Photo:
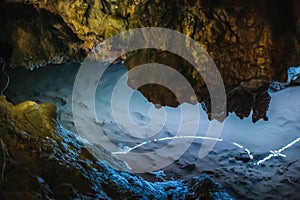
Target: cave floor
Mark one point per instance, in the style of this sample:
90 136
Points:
228 162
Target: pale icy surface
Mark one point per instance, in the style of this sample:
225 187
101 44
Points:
229 162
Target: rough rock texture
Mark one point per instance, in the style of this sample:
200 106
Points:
248 40
41 160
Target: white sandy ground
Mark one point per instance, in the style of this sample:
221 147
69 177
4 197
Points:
277 178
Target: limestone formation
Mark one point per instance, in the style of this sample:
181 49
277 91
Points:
40 159
252 43
248 40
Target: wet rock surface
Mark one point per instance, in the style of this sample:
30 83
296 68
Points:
40 159
252 44
254 40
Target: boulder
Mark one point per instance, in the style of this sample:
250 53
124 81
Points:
40 159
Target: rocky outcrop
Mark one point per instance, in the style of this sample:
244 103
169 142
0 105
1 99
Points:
40 159
253 40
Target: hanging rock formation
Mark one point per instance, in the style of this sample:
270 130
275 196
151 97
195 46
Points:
252 41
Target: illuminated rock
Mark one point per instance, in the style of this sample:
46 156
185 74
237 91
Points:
247 40
41 159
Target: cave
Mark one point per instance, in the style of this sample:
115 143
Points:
190 99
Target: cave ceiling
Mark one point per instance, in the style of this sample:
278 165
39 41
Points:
252 42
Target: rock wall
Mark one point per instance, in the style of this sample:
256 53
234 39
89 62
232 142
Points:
40 159
253 40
